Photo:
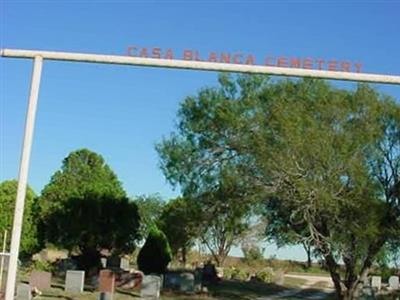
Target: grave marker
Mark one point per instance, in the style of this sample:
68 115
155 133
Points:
187 283
40 280
107 281
74 281
24 292
376 282
150 288
394 282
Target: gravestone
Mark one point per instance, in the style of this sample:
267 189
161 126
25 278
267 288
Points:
150 288
40 280
172 280
107 281
394 282
376 282
74 281
124 264
197 280
24 292
103 261
187 283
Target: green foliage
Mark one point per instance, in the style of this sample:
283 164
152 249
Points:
82 172
29 239
239 274
179 222
84 207
329 158
150 210
155 254
39 265
266 275
253 254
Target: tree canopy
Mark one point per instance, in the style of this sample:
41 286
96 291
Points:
84 207
329 156
8 193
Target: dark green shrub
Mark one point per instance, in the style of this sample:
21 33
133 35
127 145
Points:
155 254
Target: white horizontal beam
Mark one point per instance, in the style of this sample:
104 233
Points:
200 65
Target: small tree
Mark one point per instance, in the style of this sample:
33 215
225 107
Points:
179 222
8 193
155 254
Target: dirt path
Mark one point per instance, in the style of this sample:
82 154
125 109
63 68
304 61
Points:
323 287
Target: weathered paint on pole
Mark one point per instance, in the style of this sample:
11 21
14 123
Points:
23 177
201 65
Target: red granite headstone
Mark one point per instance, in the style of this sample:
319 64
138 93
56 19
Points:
40 280
107 281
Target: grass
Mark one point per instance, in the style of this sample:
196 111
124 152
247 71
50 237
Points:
226 290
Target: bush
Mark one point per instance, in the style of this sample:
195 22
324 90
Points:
155 254
239 274
252 254
267 275
41 265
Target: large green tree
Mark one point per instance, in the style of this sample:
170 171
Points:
84 208
8 193
199 160
330 156
82 172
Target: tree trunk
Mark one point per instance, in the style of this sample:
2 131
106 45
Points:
184 256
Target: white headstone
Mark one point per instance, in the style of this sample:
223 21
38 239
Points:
150 288
103 262
74 281
376 282
394 282
24 292
124 264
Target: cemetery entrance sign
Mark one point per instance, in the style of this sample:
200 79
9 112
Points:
278 67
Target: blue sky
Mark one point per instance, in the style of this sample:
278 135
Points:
121 112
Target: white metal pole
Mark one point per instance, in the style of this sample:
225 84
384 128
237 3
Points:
2 258
23 177
200 65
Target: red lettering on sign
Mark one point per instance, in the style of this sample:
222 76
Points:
307 63
225 58
345 66
320 62
295 63
156 53
143 52
332 65
169 54
358 67
250 60
187 55
131 50
237 58
213 57
247 59
282 62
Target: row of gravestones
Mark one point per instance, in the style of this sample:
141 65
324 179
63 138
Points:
74 283
393 282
